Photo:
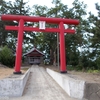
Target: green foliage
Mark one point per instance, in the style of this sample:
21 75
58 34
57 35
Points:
6 57
9 38
98 63
93 71
72 41
76 41
3 32
70 67
79 68
87 36
94 37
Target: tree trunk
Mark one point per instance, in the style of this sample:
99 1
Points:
51 57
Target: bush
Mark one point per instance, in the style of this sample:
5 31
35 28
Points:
6 57
70 67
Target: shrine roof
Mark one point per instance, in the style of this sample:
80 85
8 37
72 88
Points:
33 50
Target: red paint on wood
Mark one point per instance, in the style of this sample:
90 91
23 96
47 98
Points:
39 30
19 46
37 19
62 48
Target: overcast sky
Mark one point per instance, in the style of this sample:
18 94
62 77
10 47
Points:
90 3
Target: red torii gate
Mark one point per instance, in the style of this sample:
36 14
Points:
21 28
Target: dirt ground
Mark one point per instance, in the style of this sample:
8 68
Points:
6 72
89 77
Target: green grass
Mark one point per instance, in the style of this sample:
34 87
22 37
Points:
93 71
77 68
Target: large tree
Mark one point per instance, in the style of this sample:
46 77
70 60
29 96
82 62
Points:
94 37
76 41
72 41
3 32
18 7
49 40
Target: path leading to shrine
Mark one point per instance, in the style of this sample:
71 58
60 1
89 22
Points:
40 86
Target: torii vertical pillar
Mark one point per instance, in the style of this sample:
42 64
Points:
19 47
62 49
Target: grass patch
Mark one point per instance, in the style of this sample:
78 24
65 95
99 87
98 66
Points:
93 71
79 69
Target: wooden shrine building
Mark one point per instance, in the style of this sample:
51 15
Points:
34 56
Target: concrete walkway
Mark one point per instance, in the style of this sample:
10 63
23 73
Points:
40 86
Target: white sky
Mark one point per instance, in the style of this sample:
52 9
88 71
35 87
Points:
90 3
